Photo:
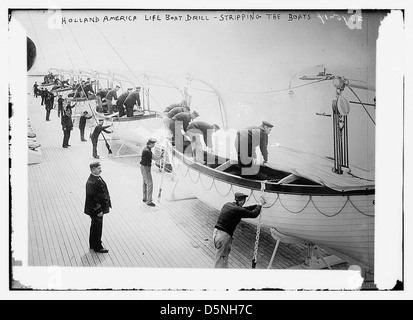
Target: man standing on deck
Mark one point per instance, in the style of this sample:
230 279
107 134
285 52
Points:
35 89
42 95
230 216
48 100
146 164
247 140
112 94
97 204
95 136
82 125
132 100
120 102
60 101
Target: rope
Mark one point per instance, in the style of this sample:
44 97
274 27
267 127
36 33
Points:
178 166
306 205
187 171
231 186
249 197
268 207
80 48
190 177
361 103
208 189
203 90
80 83
275 91
127 66
220 100
364 214
64 45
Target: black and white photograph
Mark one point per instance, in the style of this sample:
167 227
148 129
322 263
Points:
210 149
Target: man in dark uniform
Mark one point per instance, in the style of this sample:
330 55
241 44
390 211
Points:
88 89
230 216
82 124
52 96
48 101
79 89
132 100
112 94
43 94
101 101
182 104
146 164
247 140
95 136
177 110
69 105
67 126
49 78
200 130
120 102
97 204
60 101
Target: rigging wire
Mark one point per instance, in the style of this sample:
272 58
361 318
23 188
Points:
67 52
80 48
275 91
361 103
35 34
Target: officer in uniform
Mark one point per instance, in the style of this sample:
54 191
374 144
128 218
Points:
97 204
146 164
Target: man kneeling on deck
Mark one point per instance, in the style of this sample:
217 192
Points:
231 214
97 204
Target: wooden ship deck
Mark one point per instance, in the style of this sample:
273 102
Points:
175 234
